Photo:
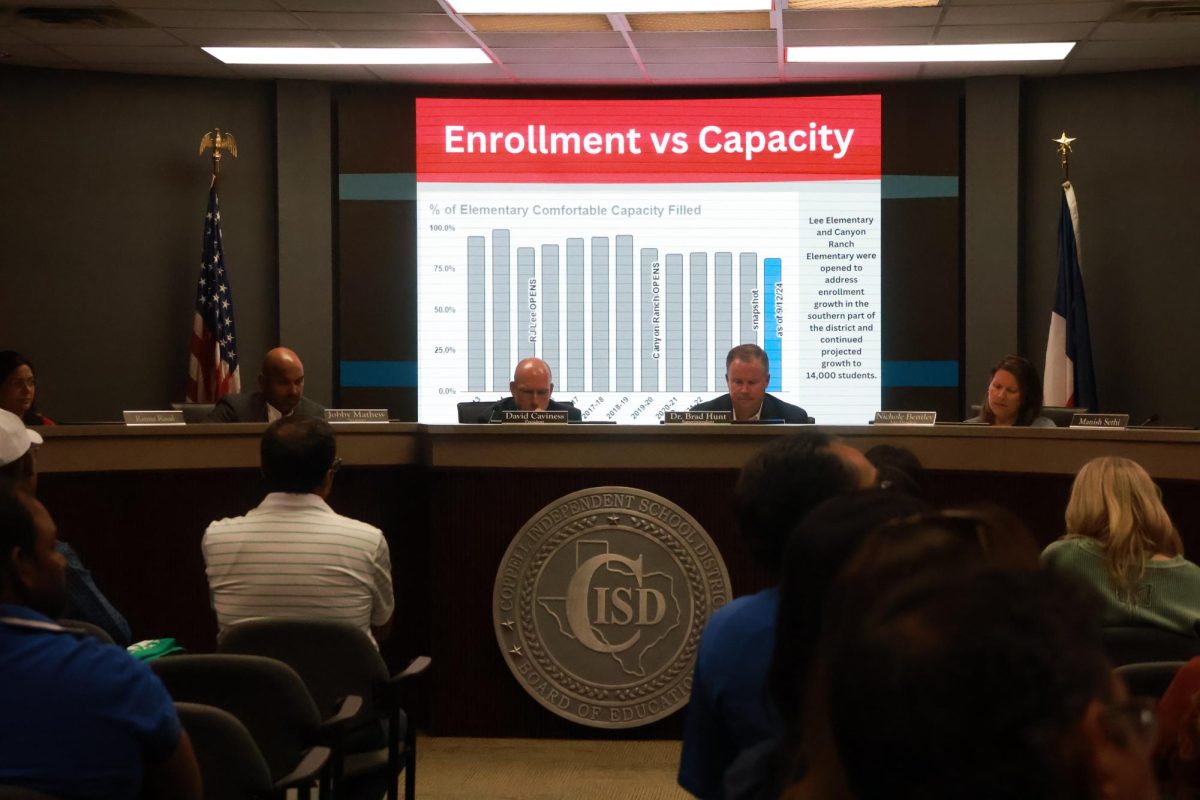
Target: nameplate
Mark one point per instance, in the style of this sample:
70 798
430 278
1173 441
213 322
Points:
1099 420
697 417
905 417
153 417
356 415
526 417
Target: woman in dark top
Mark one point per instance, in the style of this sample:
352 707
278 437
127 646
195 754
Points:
1014 396
18 388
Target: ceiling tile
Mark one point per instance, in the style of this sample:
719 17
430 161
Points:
387 6
1089 65
539 23
400 39
92 54
585 73
1173 29
709 71
211 5
964 70
1028 13
859 36
459 74
568 41
587 55
213 70
861 18
340 73
989 34
705 39
377 22
210 37
717 56
25 53
844 72
1166 48
173 18
116 37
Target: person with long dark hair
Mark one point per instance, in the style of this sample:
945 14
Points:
18 388
1014 396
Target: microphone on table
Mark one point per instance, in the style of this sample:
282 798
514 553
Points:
1150 420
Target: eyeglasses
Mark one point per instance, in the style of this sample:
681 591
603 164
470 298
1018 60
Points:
1134 721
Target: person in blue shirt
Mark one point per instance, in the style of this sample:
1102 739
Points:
729 710
81 719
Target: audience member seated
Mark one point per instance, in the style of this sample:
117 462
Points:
530 390
899 470
85 601
81 719
280 393
747 373
729 710
1013 396
1121 543
18 388
816 550
1177 754
293 556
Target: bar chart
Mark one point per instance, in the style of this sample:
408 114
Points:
635 294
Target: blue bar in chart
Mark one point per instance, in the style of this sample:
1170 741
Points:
773 319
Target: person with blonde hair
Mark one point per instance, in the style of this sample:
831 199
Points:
1121 541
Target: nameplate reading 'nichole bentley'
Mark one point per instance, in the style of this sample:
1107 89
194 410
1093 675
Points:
599 604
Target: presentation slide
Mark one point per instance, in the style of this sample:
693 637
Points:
632 243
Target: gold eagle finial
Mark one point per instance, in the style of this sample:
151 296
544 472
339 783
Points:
218 141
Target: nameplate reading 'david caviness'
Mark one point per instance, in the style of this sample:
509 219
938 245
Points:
599 603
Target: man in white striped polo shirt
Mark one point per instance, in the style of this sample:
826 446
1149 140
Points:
293 556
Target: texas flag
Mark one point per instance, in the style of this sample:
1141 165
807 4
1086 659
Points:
1070 375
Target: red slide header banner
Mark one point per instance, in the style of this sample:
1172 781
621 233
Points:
648 141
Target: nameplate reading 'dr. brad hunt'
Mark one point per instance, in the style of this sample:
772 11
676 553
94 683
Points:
167 417
696 417
356 415
533 416
1099 420
905 417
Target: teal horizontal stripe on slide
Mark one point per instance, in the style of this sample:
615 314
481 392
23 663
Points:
395 186
403 374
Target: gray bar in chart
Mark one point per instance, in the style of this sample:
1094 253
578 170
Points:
651 275
599 314
501 318
698 321
526 303
573 378
550 307
722 311
674 322
476 314
747 285
624 308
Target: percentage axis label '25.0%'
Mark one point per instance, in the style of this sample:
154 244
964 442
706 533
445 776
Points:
443 349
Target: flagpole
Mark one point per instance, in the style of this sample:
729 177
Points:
1064 155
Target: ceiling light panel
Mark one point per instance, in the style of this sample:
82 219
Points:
348 55
605 6
895 54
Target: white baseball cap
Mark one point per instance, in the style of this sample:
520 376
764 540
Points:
15 438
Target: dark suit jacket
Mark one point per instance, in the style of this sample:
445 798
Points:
772 408
253 408
508 404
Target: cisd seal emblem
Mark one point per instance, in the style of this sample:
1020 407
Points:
599 603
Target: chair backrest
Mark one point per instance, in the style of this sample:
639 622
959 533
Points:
193 412
93 630
1139 645
267 696
1061 415
230 763
333 658
472 410
1149 679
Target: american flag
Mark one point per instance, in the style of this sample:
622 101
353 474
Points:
213 366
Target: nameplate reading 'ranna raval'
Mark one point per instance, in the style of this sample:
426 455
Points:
696 417
356 415
599 604
165 417
533 416
905 417
1099 420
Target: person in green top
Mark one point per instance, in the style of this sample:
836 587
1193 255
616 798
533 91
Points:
1121 541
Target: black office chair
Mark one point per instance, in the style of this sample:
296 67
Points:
335 660
1149 679
194 412
470 411
1061 415
1141 644
266 696
231 765
87 628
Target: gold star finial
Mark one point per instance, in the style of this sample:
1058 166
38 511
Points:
1064 153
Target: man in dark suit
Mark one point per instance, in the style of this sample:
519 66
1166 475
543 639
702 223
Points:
280 393
531 387
747 373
